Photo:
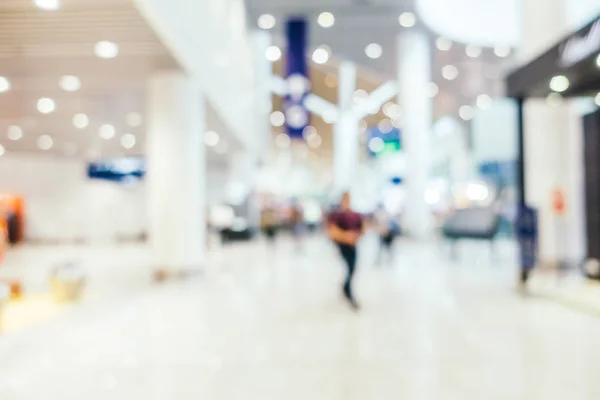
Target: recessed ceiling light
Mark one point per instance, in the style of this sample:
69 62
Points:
443 44
134 119
128 141
283 141
326 19
46 105
466 112
484 101
473 51
407 19
273 53
450 72
308 131
331 81
211 138
49 5
314 141
502 51
277 118
81 121
359 95
559 83
107 131
266 21
392 110
385 126
45 142
432 89
106 49
321 55
4 85
373 50
15 132
70 83
376 144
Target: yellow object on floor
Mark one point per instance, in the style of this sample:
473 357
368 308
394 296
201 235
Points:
29 311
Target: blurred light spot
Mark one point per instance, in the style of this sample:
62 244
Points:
15 132
598 61
392 110
321 55
277 118
45 142
106 49
385 126
81 121
450 72
407 19
70 83
484 101
432 89
397 123
49 5
4 85
308 131
432 197
211 138
107 131
282 140
597 99
266 21
473 51
314 141
331 81
134 119
376 145
326 19
359 95
559 83
273 53
502 51
2 150
128 141
443 44
477 191
466 112
46 105
373 50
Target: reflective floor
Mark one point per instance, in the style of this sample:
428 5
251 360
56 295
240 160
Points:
265 324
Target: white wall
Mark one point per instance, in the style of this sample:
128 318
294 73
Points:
494 132
63 204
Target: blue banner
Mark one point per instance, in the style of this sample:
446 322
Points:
122 170
297 117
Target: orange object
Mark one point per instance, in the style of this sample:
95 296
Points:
15 205
558 202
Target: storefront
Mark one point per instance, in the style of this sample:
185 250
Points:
569 69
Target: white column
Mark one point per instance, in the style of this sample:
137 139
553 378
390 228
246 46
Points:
414 73
553 144
176 171
346 140
263 71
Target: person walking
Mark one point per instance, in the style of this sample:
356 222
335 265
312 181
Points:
345 227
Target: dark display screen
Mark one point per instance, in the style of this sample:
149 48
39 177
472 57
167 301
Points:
118 169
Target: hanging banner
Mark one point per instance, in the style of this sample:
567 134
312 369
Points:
297 116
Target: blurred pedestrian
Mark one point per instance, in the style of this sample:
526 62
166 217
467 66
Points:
345 227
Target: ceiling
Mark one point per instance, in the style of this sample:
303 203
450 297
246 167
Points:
37 47
361 22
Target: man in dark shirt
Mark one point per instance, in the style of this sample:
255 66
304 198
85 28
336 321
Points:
345 227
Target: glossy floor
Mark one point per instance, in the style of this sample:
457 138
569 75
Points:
266 324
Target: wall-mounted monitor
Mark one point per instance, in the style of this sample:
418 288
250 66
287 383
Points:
122 170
